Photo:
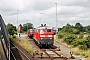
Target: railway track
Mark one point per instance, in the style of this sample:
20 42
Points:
17 54
49 53
56 56
44 55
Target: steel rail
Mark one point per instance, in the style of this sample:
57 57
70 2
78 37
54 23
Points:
65 58
13 55
55 52
47 54
22 52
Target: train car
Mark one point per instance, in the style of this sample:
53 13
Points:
44 36
54 32
30 33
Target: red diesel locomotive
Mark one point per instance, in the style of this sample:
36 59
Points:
30 33
44 35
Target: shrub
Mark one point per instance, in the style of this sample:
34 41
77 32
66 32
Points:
77 53
88 41
83 47
13 36
86 56
81 36
83 54
60 36
69 39
74 43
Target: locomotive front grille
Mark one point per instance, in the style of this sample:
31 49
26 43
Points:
46 41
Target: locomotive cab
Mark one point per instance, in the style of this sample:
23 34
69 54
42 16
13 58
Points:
44 36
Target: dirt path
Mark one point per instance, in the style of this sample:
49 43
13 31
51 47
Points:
63 48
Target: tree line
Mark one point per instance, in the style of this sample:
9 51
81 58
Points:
76 36
75 29
13 30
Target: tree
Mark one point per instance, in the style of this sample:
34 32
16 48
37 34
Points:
88 41
87 29
69 29
11 29
27 26
79 27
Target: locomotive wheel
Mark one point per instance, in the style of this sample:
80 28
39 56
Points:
51 45
36 42
40 45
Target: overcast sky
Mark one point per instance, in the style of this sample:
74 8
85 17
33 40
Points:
68 11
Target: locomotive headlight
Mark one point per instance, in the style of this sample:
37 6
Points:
41 38
50 38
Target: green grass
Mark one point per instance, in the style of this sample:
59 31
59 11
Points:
25 44
75 50
84 53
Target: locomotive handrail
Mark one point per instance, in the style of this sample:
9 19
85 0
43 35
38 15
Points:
3 32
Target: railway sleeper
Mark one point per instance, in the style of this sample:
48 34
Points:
47 54
60 56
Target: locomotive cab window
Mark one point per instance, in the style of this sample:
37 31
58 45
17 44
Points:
48 30
42 31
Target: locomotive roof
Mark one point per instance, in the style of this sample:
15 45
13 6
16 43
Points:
44 27
30 29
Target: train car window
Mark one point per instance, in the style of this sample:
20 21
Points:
42 31
48 30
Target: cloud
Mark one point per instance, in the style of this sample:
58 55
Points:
68 11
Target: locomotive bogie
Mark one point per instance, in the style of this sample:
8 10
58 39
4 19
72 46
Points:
31 35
